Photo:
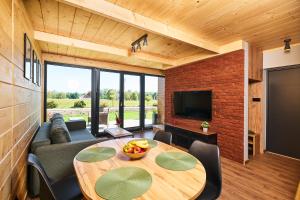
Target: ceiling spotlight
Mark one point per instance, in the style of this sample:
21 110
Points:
136 45
133 49
287 46
145 42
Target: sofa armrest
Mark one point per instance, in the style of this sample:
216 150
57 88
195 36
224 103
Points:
76 125
57 160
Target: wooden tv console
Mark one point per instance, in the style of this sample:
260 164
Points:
185 137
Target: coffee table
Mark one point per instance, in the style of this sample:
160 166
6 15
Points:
118 132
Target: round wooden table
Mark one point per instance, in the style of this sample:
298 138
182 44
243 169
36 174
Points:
166 184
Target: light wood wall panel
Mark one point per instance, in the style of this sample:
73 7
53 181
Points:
20 100
6 142
6 95
255 63
6 71
255 113
6 28
5 119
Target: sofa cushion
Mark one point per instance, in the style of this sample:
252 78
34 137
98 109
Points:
42 137
59 132
56 116
81 134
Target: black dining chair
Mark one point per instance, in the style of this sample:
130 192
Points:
65 189
165 137
209 156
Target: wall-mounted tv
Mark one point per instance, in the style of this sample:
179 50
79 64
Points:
193 104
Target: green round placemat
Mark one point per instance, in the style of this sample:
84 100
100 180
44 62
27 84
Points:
176 161
152 143
96 154
123 183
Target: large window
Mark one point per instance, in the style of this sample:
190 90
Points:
131 101
136 100
151 100
69 92
109 99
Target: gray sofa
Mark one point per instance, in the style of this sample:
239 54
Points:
57 158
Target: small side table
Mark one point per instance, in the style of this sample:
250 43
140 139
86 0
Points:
118 132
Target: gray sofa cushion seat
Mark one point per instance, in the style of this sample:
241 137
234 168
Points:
59 132
81 135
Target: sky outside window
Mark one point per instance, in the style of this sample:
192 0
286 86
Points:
70 79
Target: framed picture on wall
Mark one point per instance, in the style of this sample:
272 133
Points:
38 73
27 58
34 67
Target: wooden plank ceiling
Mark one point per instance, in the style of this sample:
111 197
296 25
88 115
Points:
264 23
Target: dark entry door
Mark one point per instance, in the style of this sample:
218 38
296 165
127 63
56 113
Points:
283 133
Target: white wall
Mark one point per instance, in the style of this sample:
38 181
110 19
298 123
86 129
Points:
278 58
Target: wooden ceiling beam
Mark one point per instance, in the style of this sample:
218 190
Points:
169 63
104 48
233 46
98 64
62 40
120 14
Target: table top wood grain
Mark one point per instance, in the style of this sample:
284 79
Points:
166 184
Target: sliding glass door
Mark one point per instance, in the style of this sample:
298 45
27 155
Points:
131 101
151 100
109 99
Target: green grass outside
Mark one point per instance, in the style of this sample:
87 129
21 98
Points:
69 103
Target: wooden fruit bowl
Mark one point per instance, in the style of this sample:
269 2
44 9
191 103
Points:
136 155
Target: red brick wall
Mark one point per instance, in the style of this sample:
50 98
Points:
224 75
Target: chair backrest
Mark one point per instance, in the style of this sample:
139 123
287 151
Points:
165 137
45 185
209 156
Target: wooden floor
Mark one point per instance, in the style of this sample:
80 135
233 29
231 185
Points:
266 176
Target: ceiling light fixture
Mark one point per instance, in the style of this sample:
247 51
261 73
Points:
287 46
132 49
145 43
136 45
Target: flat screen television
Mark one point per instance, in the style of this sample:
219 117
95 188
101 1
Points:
193 104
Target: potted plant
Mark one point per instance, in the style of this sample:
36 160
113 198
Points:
154 117
103 105
205 126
